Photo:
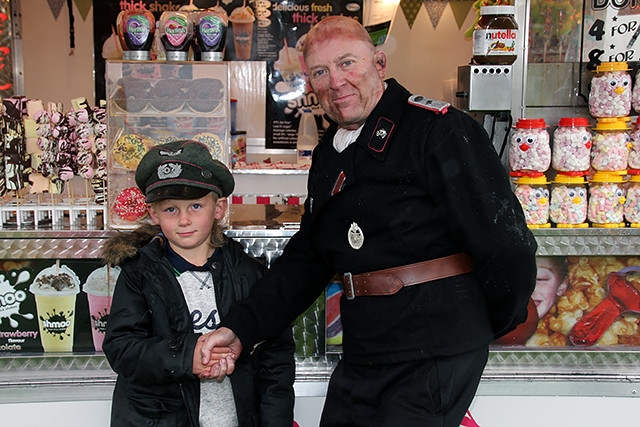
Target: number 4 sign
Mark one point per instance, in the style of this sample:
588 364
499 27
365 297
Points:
612 30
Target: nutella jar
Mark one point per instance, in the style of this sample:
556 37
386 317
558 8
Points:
494 37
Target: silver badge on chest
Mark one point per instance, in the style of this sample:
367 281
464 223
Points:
355 236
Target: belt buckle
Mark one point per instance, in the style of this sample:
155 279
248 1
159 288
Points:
347 281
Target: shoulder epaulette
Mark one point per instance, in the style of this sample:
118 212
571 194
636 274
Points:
439 107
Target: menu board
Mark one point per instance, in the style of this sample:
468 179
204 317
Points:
611 32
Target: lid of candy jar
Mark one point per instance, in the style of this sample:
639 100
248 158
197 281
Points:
612 66
530 124
612 123
563 178
573 122
602 176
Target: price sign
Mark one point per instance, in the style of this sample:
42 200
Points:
612 32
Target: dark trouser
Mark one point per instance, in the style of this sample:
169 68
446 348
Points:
426 393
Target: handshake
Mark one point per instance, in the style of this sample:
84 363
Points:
215 354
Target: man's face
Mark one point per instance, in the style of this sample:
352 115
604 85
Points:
347 76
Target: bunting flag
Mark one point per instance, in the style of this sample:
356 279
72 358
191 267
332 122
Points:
56 7
410 8
460 9
435 9
84 6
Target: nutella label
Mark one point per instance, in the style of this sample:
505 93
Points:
494 42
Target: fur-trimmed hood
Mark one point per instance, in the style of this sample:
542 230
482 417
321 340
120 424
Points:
124 245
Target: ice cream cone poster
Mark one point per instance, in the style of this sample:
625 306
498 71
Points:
41 308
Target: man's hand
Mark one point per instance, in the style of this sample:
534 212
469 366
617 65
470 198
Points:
219 352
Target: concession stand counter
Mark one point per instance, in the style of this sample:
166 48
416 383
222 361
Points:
568 368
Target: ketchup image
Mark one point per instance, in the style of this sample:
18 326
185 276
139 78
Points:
211 34
136 30
176 32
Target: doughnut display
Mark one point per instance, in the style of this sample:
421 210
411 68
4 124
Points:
130 204
168 95
132 94
204 95
129 149
213 142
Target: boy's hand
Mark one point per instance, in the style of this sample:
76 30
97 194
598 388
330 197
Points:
219 352
202 370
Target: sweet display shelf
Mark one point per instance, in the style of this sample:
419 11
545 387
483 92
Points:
513 365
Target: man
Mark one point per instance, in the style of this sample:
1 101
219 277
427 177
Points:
395 181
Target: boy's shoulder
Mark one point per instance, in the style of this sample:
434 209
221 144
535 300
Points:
124 245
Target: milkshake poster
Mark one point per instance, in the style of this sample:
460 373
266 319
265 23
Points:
281 40
43 307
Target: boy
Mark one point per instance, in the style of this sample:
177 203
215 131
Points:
178 279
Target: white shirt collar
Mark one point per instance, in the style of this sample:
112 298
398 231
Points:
345 137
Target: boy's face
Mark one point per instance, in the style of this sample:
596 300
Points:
187 224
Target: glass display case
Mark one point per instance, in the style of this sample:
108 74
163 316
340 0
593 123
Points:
153 102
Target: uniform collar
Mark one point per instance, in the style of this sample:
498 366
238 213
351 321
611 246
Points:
381 126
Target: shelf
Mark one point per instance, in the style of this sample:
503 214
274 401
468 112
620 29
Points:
588 241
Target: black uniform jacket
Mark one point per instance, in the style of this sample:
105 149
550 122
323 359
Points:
150 341
416 185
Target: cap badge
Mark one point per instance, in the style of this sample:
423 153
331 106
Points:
170 153
355 236
169 170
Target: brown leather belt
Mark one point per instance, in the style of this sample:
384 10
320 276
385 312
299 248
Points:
391 280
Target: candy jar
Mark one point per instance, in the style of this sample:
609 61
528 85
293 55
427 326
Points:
533 194
610 149
136 30
568 207
632 204
635 94
529 149
210 33
610 94
571 145
606 200
176 32
634 147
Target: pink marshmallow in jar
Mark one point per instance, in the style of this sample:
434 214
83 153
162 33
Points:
568 207
529 148
611 140
606 200
610 94
635 94
571 145
632 203
634 147
533 195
